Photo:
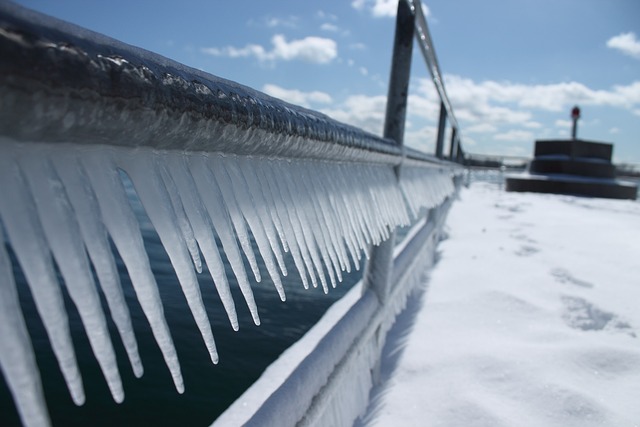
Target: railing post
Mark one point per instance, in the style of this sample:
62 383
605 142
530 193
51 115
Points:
378 270
453 147
442 121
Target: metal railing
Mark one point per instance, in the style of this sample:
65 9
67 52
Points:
69 96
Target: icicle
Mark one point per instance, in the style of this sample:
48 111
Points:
287 226
247 207
248 169
141 168
63 234
330 219
235 213
334 249
313 214
270 197
351 208
17 360
181 218
203 230
125 233
345 227
301 207
19 215
62 200
96 241
213 201
289 212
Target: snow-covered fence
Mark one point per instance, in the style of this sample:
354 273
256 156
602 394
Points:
209 159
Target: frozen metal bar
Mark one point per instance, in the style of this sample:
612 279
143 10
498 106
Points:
378 270
442 121
62 83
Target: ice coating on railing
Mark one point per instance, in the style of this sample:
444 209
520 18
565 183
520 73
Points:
94 89
425 187
61 204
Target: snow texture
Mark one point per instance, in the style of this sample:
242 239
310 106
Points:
61 204
539 327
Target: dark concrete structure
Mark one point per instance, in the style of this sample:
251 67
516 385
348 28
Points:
573 166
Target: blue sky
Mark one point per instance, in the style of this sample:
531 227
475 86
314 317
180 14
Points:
513 68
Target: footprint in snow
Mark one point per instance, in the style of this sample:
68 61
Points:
526 250
521 237
581 314
563 276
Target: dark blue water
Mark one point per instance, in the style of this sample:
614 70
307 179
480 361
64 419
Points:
210 389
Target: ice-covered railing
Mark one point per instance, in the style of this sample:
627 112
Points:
210 160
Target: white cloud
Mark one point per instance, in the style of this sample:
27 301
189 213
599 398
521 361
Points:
514 135
555 97
532 125
274 22
423 139
481 128
327 26
317 50
294 96
382 8
378 8
614 130
289 22
563 123
495 115
324 15
626 43
424 106
366 112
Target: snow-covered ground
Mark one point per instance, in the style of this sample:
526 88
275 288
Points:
530 318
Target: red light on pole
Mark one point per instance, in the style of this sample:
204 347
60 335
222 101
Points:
575 115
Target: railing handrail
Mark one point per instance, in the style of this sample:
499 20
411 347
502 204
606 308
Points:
425 43
189 109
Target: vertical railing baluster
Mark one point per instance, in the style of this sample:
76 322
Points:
442 122
453 147
378 270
